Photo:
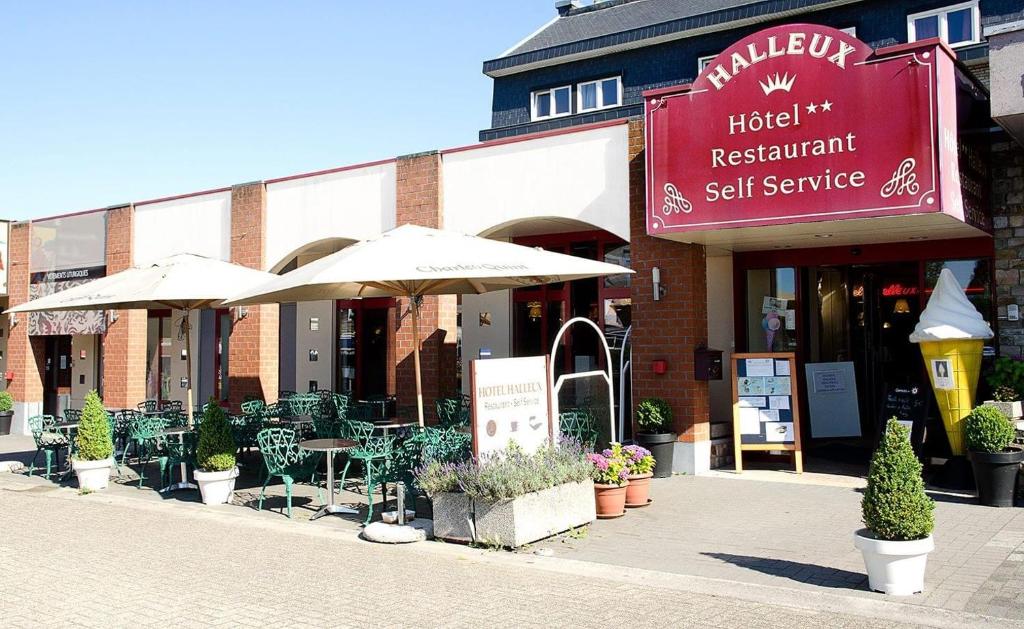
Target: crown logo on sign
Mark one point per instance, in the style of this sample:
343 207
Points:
777 82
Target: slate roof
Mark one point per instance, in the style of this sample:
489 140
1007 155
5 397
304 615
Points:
623 24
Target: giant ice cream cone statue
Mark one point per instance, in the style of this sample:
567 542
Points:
951 333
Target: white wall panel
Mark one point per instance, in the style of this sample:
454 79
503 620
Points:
199 224
580 176
351 204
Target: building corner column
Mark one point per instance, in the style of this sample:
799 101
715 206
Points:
25 354
419 201
124 343
253 348
671 328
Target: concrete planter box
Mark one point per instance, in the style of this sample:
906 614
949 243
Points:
1010 409
515 522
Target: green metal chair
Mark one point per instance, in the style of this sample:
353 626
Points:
377 456
177 450
581 425
452 412
147 437
72 415
253 407
341 402
48 441
122 435
283 457
244 429
326 427
148 406
445 445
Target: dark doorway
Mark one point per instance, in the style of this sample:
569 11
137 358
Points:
57 374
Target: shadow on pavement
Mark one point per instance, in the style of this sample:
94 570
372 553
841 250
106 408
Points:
802 572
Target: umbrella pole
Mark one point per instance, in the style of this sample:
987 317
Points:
416 356
187 326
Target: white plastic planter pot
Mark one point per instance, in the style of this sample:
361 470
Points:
216 487
515 522
895 568
92 475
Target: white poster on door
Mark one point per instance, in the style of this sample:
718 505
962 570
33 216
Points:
511 400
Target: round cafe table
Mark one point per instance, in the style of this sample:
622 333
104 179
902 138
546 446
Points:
179 432
67 428
329 447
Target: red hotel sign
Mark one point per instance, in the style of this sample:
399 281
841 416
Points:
803 123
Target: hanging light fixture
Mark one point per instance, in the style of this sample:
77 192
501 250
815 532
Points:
536 309
902 307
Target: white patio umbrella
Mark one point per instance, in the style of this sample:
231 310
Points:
180 282
412 261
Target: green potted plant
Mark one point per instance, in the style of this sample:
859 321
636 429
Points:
640 464
1007 400
215 456
6 412
898 515
94 456
989 435
654 432
611 477
508 497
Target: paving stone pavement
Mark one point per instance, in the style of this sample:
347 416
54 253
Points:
801 536
107 561
779 545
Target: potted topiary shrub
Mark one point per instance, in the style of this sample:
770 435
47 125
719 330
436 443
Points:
654 432
1007 400
898 515
94 456
611 477
640 464
989 436
215 456
6 412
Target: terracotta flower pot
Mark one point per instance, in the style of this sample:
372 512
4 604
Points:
610 499
638 490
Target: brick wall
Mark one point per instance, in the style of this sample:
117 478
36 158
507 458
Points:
124 344
253 348
669 329
419 201
1008 219
25 355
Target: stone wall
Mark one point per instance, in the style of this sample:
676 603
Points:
1008 219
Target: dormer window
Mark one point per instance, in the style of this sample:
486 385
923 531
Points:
599 94
552 103
957 25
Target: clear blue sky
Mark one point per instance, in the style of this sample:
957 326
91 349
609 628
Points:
109 102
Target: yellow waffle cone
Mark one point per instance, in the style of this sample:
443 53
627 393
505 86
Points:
964 358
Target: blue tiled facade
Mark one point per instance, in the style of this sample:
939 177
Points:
878 22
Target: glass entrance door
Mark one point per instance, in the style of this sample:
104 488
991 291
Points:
363 348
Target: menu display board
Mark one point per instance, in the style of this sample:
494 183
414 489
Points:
766 414
909 404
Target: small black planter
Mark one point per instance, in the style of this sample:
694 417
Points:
5 422
995 474
662 446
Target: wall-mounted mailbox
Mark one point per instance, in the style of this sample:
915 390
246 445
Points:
707 364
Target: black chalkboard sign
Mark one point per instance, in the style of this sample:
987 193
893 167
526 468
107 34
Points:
908 403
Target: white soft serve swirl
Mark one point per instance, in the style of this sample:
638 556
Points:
949 315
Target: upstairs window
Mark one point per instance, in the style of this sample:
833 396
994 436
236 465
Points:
957 25
551 103
599 94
